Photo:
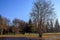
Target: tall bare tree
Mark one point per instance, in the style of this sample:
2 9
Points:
41 12
18 23
57 27
3 24
47 27
51 26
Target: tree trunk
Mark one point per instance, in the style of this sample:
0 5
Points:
40 35
8 31
1 31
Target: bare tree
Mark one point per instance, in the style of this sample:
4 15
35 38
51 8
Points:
3 24
41 12
57 27
19 24
51 26
47 27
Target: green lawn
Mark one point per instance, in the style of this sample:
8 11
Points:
51 34
20 35
33 35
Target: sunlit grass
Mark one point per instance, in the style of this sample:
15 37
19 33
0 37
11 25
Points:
51 34
21 35
31 35
28 35
57 39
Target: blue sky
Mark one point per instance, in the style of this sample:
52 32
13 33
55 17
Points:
57 8
21 8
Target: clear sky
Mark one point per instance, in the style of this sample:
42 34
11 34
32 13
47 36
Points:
21 8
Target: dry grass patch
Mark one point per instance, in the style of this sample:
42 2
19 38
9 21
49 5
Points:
51 34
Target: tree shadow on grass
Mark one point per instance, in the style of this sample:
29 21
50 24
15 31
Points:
36 39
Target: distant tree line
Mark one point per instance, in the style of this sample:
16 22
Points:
19 26
52 27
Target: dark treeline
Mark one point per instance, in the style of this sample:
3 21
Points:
19 26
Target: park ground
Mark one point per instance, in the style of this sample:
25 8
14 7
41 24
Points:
46 36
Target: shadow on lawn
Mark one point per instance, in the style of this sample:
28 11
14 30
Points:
36 39
19 38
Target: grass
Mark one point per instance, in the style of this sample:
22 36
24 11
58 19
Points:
51 34
57 39
33 35
20 35
28 35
